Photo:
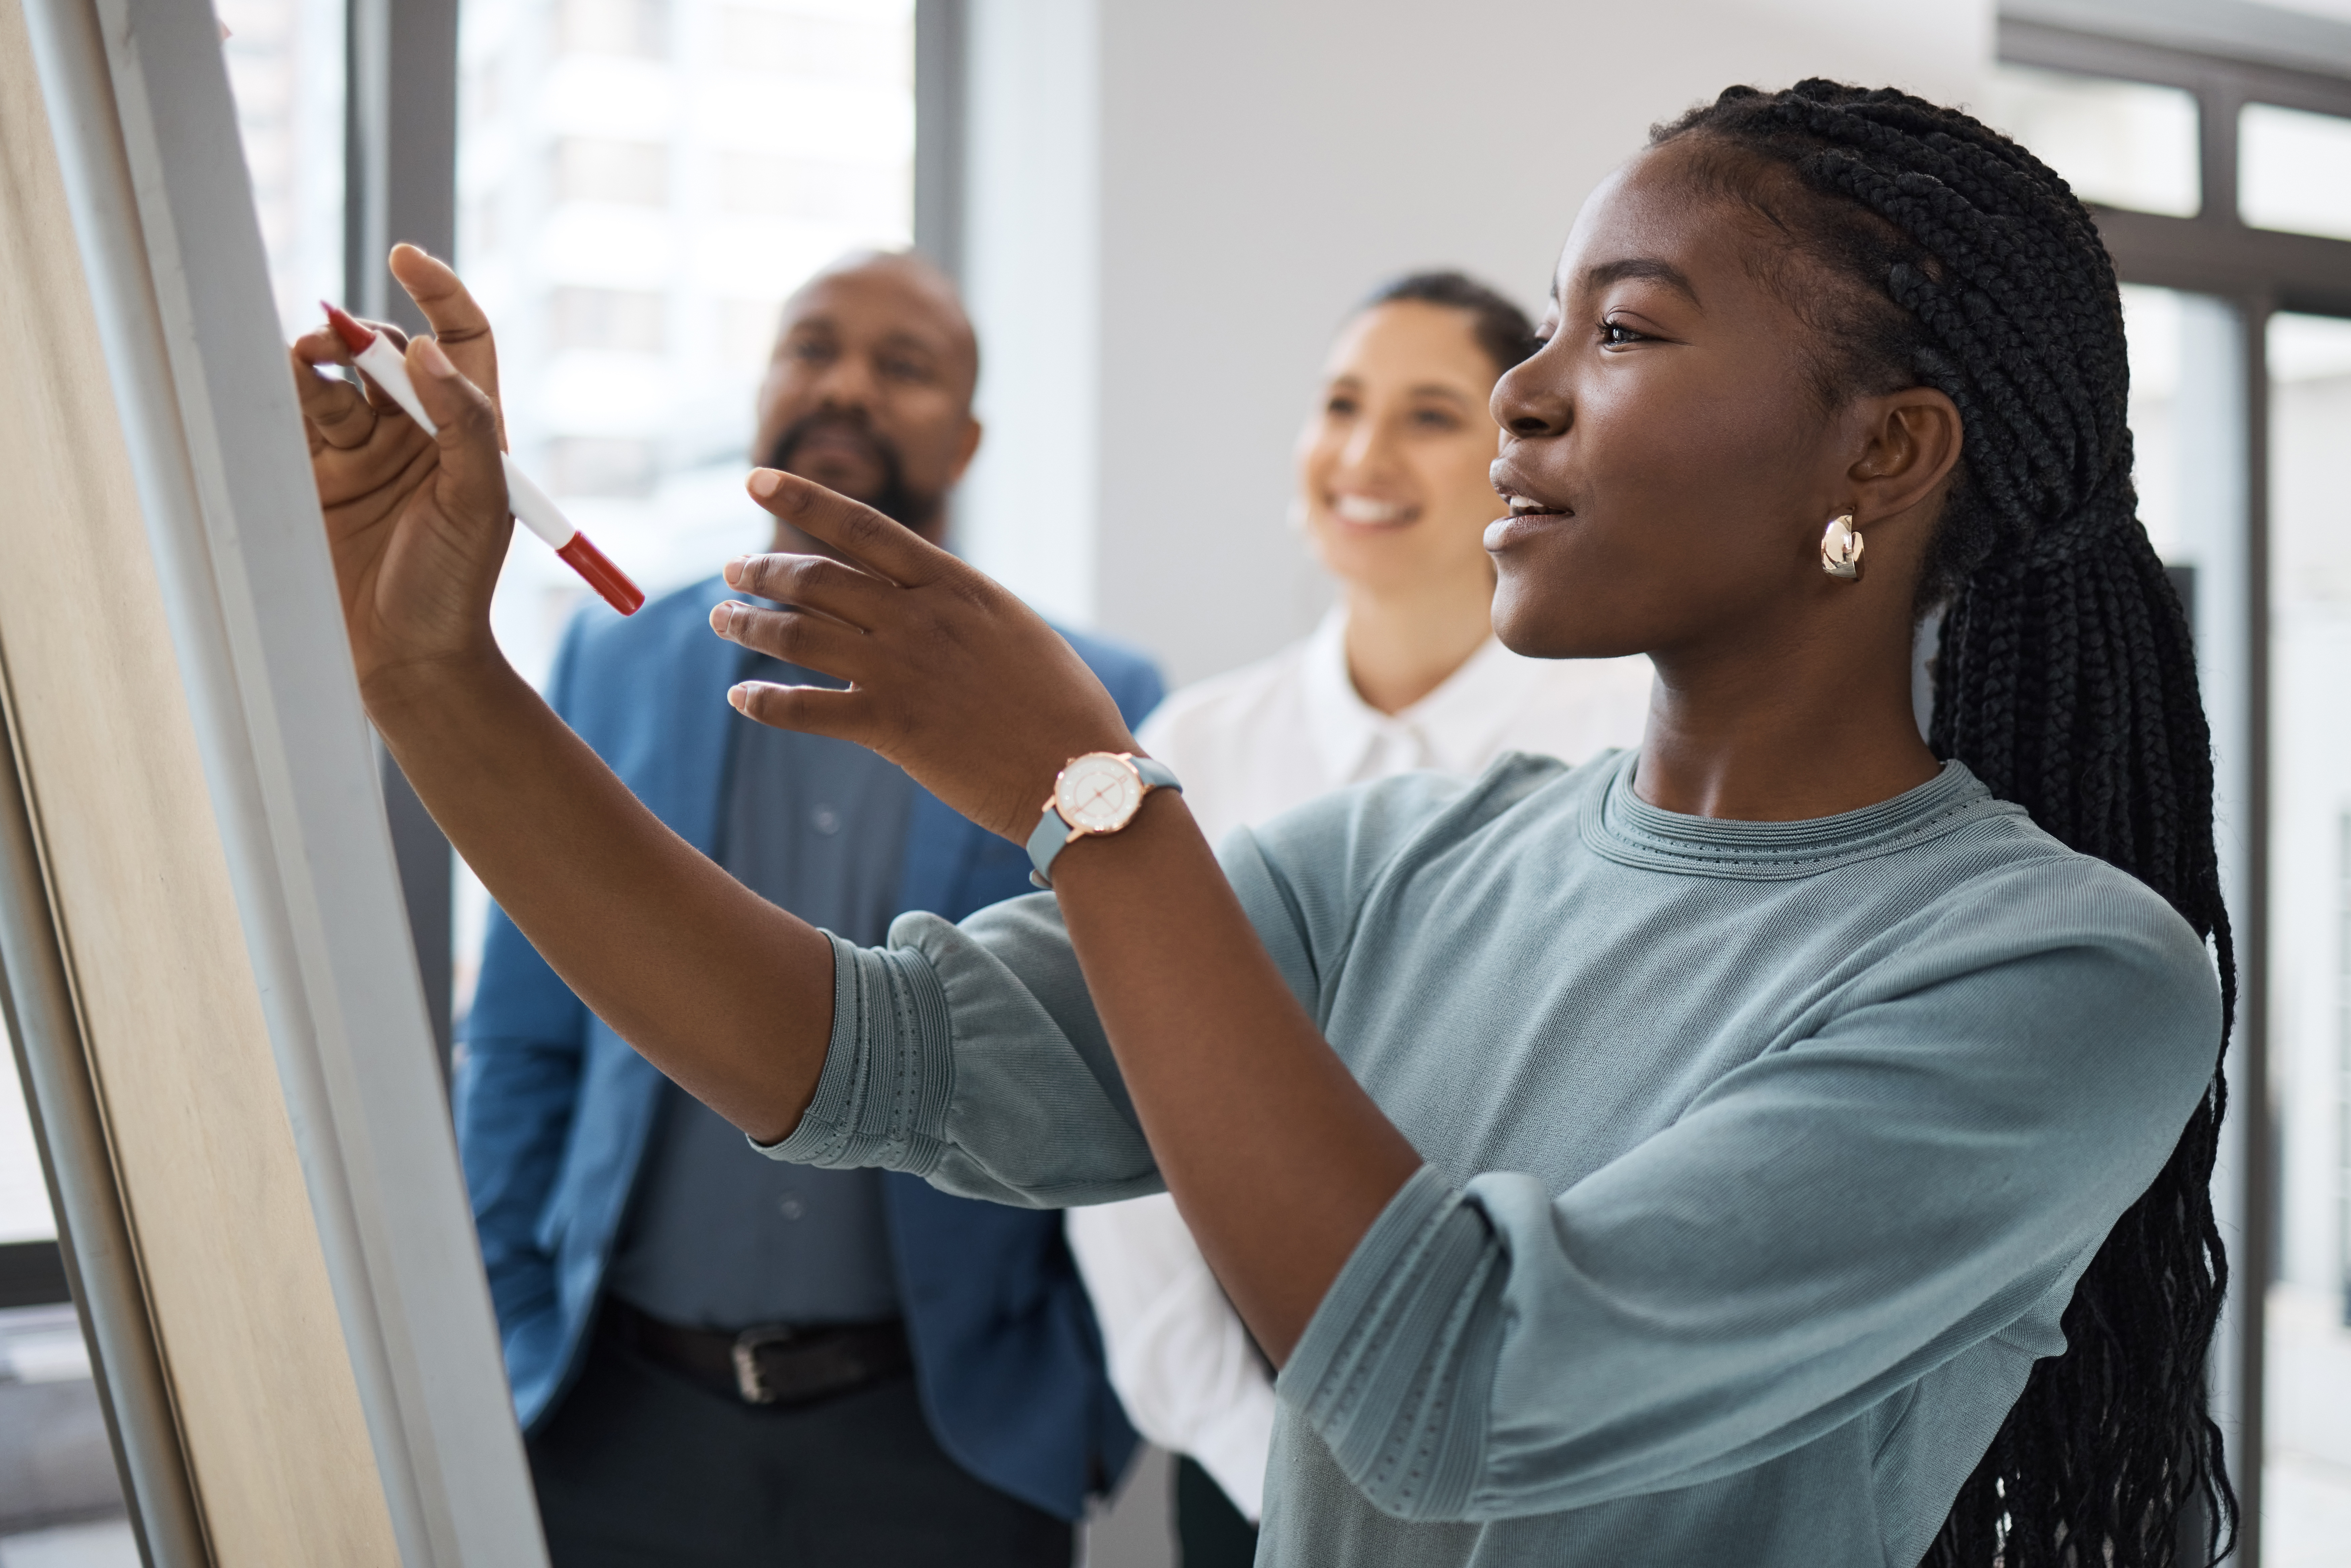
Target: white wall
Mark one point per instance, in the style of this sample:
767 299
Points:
1171 207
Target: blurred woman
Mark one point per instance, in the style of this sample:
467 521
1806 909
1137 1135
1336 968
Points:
1404 674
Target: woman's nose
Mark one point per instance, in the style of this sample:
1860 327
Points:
1527 404
1367 447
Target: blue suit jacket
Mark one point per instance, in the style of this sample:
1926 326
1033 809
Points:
553 1108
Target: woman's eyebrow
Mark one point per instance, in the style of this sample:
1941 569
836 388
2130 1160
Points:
1599 275
1438 389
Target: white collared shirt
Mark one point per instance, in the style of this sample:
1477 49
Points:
1249 745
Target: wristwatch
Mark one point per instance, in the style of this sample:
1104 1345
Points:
1097 793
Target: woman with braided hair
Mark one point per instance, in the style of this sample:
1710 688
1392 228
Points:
1786 1144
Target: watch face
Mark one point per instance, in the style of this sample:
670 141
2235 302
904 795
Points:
1098 793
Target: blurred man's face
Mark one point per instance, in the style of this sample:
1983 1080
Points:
869 392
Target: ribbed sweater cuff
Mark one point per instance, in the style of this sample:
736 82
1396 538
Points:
889 1069
1396 1368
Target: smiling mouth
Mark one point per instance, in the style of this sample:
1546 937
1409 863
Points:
1365 512
1521 506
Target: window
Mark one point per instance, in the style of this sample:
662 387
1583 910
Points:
2343 1065
612 28
626 320
2239 311
599 466
2294 171
836 47
641 185
2118 143
2309 1429
285 67
633 173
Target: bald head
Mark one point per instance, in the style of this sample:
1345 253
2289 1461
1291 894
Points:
869 391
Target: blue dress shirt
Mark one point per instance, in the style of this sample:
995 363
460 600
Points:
718 1237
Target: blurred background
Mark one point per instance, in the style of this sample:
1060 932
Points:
1158 213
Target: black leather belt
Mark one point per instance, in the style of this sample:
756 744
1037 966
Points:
774 1363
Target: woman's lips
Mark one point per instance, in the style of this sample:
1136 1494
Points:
1370 512
1521 527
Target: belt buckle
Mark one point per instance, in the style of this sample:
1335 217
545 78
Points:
750 1381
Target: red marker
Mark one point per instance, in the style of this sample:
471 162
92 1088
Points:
531 505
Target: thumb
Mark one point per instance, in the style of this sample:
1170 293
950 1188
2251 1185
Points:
473 481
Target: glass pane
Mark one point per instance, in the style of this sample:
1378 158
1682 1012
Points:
2121 143
2188 423
640 185
2293 170
2309 1471
285 67
2188 416
24 1198
60 1499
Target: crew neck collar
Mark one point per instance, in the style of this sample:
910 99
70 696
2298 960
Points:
1618 823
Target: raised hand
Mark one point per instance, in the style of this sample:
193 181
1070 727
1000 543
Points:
951 677
418 525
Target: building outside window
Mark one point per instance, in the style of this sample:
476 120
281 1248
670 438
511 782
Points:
640 183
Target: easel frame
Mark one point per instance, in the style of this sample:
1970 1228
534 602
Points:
417 1459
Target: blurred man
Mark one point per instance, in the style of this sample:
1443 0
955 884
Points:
718 1359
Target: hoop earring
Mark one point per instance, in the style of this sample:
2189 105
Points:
1841 549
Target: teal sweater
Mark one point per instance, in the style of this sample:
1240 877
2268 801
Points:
1762 1156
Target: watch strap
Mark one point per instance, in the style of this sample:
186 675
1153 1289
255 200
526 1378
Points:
1053 832
1045 842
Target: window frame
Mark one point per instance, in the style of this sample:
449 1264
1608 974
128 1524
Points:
2257 273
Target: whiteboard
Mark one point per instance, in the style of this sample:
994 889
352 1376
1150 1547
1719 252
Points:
200 795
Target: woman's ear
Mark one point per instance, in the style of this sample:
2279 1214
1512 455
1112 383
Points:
1910 442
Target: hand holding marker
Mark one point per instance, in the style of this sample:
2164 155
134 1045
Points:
531 505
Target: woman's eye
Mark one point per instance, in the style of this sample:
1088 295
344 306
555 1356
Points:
1435 419
1342 406
1614 333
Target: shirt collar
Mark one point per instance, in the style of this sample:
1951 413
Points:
1454 728
1616 822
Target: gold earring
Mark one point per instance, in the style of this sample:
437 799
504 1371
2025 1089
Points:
1841 549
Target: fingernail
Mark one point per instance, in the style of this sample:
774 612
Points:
722 618
435 362
764 482
734 572
739 698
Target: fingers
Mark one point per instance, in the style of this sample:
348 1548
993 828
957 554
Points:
323 345
855 597
795 637
335 412
858 532
813 710
472 481
458 321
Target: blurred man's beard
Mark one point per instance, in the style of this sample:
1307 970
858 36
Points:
890 498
